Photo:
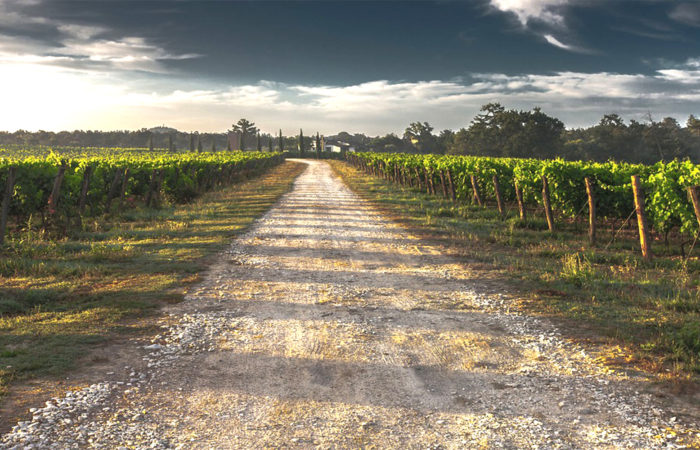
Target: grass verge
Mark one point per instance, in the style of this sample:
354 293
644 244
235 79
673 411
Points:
59 298
647 314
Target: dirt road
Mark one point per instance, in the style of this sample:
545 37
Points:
328 326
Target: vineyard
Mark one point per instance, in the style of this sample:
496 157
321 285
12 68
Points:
669 192
67 186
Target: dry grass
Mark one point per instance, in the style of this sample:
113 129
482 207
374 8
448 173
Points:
606 295
59 298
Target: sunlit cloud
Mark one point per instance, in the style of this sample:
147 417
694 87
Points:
78 46
528 10
107 101
556 42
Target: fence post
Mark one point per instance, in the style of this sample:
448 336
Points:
547 204
56 191
499 199
6 199
694 192
591 211
521 202
475 189
641 217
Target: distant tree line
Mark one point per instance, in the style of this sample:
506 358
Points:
156 138
495 131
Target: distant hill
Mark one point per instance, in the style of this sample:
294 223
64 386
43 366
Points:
162 130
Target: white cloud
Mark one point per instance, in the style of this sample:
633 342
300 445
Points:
81 32
557 43
547 14
78 46
527 10
127 100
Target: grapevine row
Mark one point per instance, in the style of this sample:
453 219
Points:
56 186
669 187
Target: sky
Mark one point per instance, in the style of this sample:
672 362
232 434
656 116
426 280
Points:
358 66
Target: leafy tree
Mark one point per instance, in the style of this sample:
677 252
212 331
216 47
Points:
510 133
390 144
420 136
444 141
244 127
693 125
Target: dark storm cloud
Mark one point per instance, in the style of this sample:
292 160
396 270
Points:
376 64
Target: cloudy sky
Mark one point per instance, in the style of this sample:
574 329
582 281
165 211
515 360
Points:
358 66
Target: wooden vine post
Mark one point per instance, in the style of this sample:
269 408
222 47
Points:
475 189
694 192
499 198
452 186
442 182
159 186
591 211
113 189
420 185
427 183
84 189
122 191
521 202
152 187
6 199
641 217
431 183
547 204
56 191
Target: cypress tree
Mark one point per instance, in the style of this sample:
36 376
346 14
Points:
191 142
171 146
199 145
318 144
228 143
213 145
301 141
150 142
281 142
259 142
269 143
